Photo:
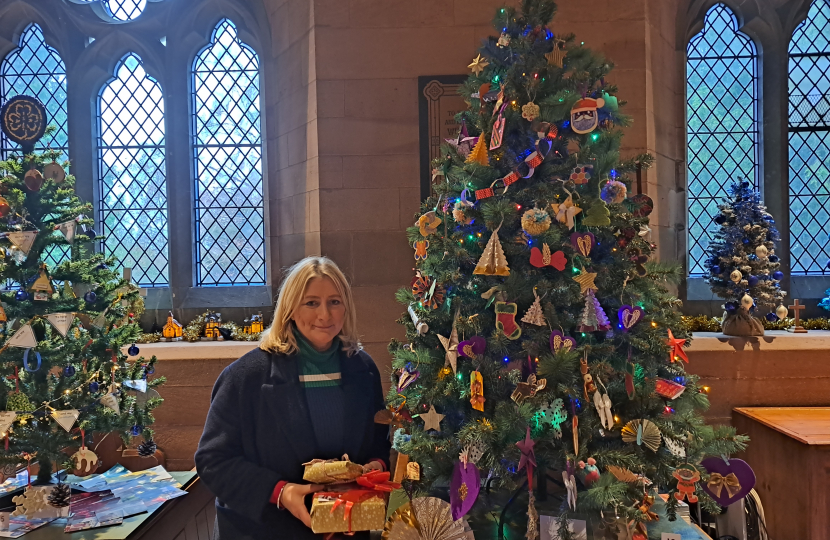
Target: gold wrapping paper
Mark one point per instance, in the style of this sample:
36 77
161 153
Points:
368 514
331 472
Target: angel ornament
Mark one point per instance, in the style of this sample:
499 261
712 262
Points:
603 404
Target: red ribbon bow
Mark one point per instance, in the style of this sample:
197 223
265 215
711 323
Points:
374 480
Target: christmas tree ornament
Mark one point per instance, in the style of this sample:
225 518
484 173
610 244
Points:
778 275
504 40
589 470
427 291
90 297
5 209
407 375
477 391
54 172
421 247
761 251
32 501
23 240
561 342
66 419
530 111
614 192
69 371
570 485
136 430
528 459
584 115
497 135
42 287
479 153
458 215
432 420
747 302
61 322
782 312
93 387
478 64
643 432
434 522
428 223
464 488
543 257
59 497
450 345
506 320
24 338
687 478
566 212
645 230
586 281
493 261
668 389
535 221
525 390
581 174
472 347
133 350
752 281
597 215
676 352
629 316
534 314
603 405
85 461
583 242
729 479
33 180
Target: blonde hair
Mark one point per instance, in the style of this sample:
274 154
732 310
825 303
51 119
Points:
279 337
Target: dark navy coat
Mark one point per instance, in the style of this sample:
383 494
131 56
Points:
258 432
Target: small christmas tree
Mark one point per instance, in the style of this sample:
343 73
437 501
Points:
742 265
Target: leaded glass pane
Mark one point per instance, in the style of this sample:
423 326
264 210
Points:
809 126
227 149
722 121
133 206
36 69
125 10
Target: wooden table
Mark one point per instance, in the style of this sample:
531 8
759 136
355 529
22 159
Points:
790 453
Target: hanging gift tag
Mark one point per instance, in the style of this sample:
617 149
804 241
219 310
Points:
61 321
66 419
23 338
6 419
67 228
23 240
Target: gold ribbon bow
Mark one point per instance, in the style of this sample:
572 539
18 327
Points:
718 483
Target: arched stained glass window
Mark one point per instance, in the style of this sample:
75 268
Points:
809 134
722 121
36 69
227 151
131 162
125 10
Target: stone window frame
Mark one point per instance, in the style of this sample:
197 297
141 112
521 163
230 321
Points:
770 24
167 36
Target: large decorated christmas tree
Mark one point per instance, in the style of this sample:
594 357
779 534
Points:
540 334
66 314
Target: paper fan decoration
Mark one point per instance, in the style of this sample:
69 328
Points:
434 520
642 432
624 475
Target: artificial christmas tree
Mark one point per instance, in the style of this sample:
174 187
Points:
67 314
742 266
540 381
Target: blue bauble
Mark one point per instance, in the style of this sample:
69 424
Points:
90 297
772 317
745 240
133 350
720 219
778 274
745 184
93 387
715 269
69 371
751 257
730 307
753 281
773 258
136 430
149 370
21 295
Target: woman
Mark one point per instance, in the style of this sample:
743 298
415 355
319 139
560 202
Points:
307 392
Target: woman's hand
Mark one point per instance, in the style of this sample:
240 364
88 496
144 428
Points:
372 466
293 499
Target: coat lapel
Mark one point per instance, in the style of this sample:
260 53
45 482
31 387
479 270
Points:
358 396
286 399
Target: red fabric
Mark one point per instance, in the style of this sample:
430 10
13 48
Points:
275 495
382 463
484 193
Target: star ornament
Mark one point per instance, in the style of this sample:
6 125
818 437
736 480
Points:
566 211
586 281
478 65
451 345
432 420
676 352
528 459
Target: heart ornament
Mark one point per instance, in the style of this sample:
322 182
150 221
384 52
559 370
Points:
559 341
629 316
583 242
729 480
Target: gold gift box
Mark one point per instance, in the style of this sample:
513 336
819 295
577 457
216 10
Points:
331 472
368 514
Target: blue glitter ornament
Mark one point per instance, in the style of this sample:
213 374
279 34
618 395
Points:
778 274
21 295
773 258
753 281
93 387
69 371
133 350
745 241
715 269
90 297
772 317
136 430
730 307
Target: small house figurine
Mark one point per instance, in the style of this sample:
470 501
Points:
172 331
42 287
246 326
212 321
256 323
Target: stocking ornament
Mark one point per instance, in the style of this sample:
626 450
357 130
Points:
506 320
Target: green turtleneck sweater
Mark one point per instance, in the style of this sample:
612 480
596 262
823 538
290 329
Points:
320 378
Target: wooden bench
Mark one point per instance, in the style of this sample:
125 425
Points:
790 453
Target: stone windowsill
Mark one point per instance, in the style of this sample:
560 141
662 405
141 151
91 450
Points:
772 340
199 350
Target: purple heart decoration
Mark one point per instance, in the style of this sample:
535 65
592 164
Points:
583 242
559 341
464 488
472 347
629 316
728 482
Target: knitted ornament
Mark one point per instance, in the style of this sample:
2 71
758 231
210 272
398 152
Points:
18 401
147 448
458 214
614 192
59 498
535 221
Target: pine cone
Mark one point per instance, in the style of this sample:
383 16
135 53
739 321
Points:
147 448
59 497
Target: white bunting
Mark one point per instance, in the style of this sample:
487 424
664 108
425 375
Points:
23 240
101 320
23 338
66 419
61 321
140 385
111 402
68 229
6 419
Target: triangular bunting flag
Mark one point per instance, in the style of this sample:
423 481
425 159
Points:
6 419
101 320
66 419
61 321
140 385
23 240
68 229
23 338
80 289
111 402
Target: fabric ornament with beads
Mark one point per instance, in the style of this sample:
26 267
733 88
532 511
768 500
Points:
535 221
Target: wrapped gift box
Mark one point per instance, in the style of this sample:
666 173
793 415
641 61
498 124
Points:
331 471
354 510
